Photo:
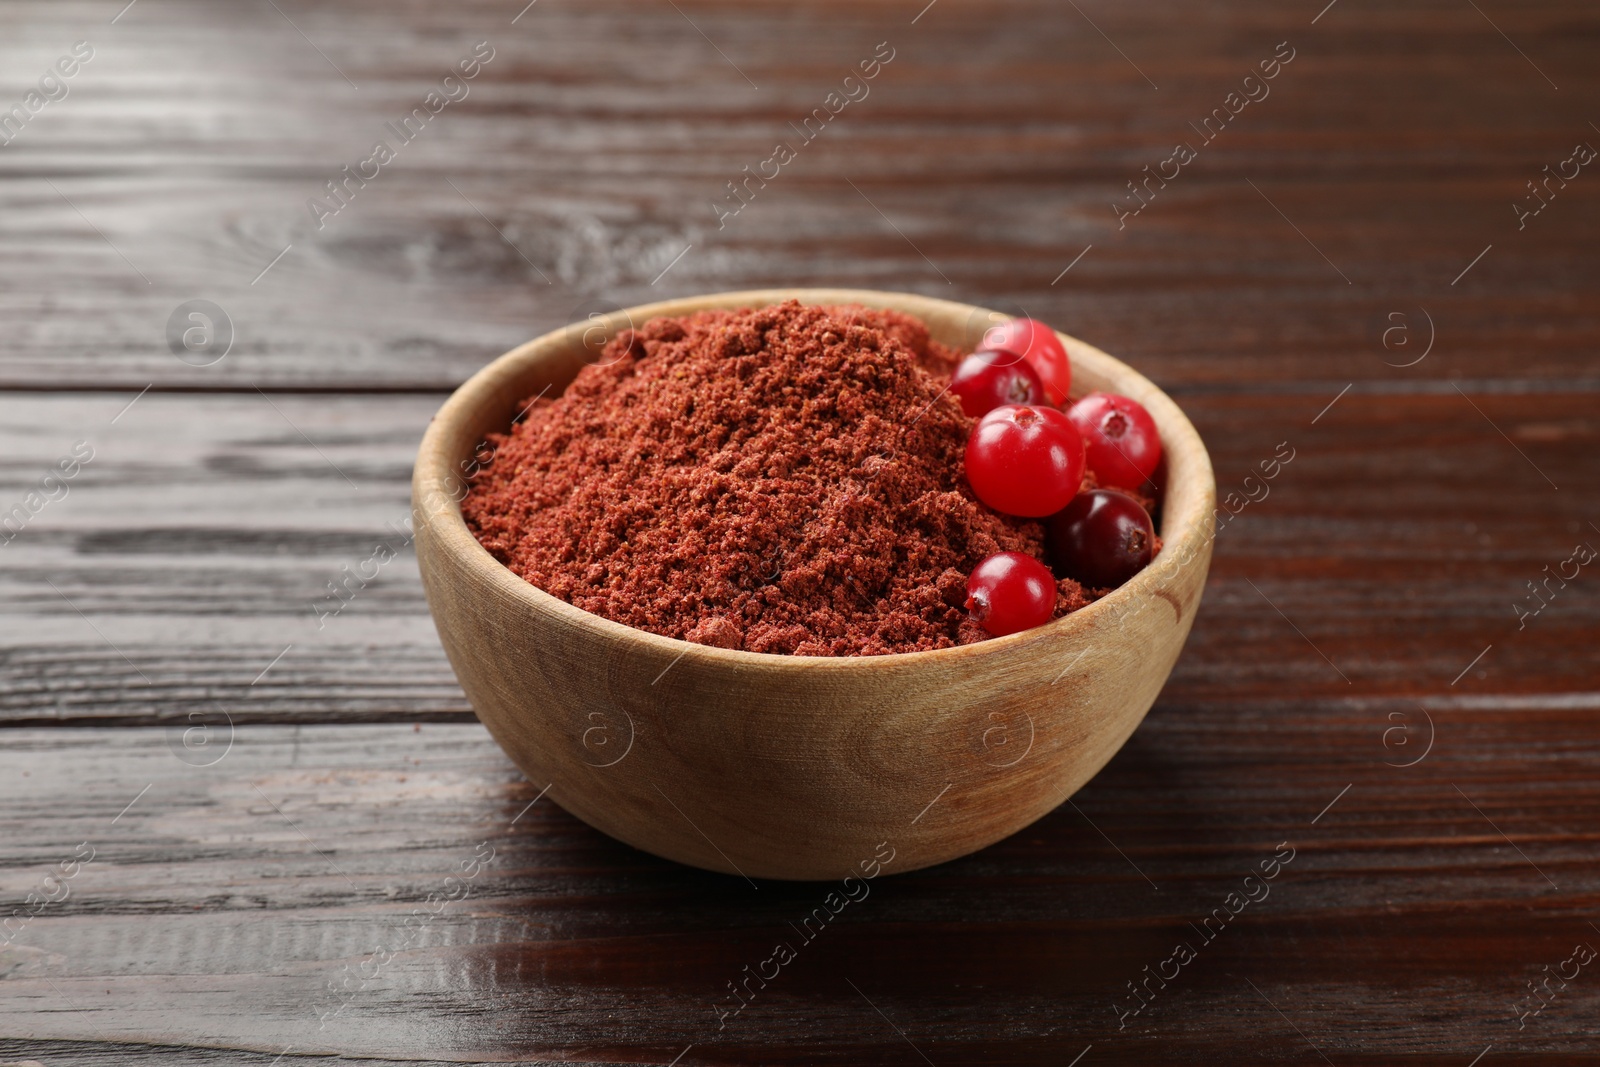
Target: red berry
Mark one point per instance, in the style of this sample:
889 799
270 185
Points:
1101 539
1039 345
1024 460
1123 445
1010 592
985 380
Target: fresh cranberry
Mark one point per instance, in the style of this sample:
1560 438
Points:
1101 539
1025 460
1039 345
1123 445
985 380
1010 592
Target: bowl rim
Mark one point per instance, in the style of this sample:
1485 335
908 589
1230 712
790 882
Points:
435 506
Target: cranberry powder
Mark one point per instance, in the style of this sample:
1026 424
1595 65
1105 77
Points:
785 479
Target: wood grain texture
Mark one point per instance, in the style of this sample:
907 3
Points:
1414 502
194 139
1365 606
1404 926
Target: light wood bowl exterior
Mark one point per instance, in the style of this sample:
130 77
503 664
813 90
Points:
786 766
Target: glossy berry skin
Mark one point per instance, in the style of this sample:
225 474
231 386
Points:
1010 592
1025 461
1124 447
1039 345
986 380
1101 539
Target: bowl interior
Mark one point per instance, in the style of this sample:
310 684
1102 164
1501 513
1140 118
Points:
490 399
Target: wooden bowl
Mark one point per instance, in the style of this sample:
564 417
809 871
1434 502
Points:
791 766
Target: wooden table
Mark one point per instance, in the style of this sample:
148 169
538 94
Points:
251 838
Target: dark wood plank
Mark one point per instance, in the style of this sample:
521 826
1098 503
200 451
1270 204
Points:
1404 925
198 544
268 800
199 541
191 143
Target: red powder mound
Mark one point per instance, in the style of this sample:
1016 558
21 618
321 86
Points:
785 479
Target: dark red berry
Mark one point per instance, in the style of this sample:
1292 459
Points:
1123 444
1025 461
1039 345
1101 539
1010 592
986 380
